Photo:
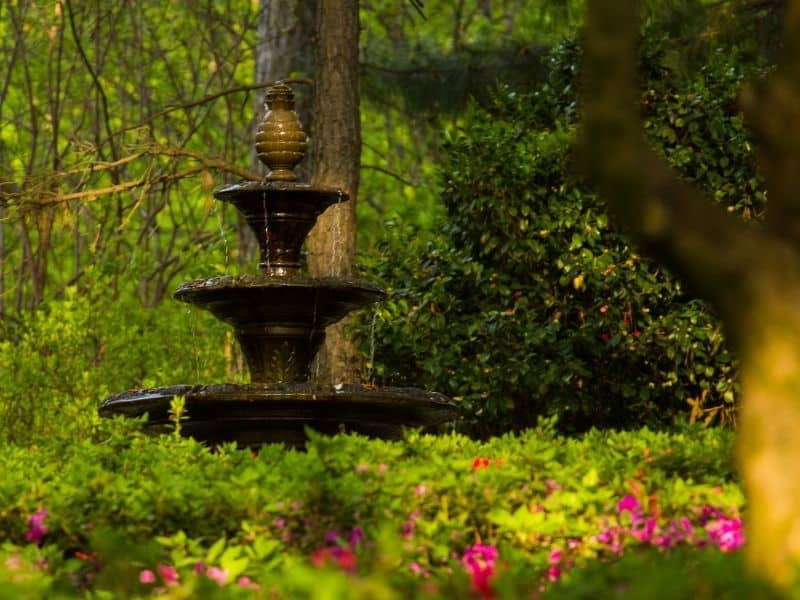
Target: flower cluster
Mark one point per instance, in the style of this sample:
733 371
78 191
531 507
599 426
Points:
36 527
479 561
337 551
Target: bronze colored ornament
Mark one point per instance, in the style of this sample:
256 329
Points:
280 140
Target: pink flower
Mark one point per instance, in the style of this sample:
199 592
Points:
726 533
199 568
420 490
628 503
14 562
555 556
146 576
553 573
217 574
36 527
247 583
362 468
416 568
644 534
382 468
356 535
479 561
552 486
168 574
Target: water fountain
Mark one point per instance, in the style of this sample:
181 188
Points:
279 318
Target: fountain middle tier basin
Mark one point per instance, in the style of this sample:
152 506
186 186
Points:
279 321
254 414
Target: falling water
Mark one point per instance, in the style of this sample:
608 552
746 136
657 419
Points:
371 366
222 233
312 331
266 226
337 234
193 327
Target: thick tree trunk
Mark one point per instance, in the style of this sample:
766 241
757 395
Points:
749 272
336 146
286 30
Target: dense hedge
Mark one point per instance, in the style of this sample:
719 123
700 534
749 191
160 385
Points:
530 301
126 513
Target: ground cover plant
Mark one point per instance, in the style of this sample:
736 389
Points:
129 515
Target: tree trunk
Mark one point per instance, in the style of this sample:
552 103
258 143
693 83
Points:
286 30
749 272
336 147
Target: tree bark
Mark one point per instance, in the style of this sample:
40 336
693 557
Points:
336 147
749 272
286 30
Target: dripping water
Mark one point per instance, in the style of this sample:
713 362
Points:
311 333
222 233
193 327
266 228
337 234
371 367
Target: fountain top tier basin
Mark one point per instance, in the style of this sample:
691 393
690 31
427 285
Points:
280 214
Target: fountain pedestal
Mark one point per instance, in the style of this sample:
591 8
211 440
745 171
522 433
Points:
279 318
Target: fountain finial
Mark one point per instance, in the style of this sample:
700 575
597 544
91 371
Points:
280 140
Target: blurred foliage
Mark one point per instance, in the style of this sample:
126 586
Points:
122 502
531 302
62 361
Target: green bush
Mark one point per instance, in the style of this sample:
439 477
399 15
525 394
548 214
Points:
531 302
61 362
113 507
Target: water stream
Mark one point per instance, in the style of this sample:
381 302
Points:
371 365
266 226
222 233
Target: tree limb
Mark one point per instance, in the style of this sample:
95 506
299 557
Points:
713 251
772 110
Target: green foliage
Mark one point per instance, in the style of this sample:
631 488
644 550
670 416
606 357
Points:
62 361
132 502
531 302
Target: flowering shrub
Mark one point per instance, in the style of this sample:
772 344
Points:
429 516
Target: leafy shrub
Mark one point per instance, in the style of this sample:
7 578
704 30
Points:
120 513
63 360
531 302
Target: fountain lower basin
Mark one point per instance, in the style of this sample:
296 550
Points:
257 413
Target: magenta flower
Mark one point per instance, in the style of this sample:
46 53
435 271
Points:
199 567
555 556
36 527
628 503
356 535
553 573
146 576
217 574
644 533
479 561
726 533
168 574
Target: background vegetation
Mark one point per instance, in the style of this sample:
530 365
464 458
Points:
511 290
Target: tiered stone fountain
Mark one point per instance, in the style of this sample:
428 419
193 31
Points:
279 318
